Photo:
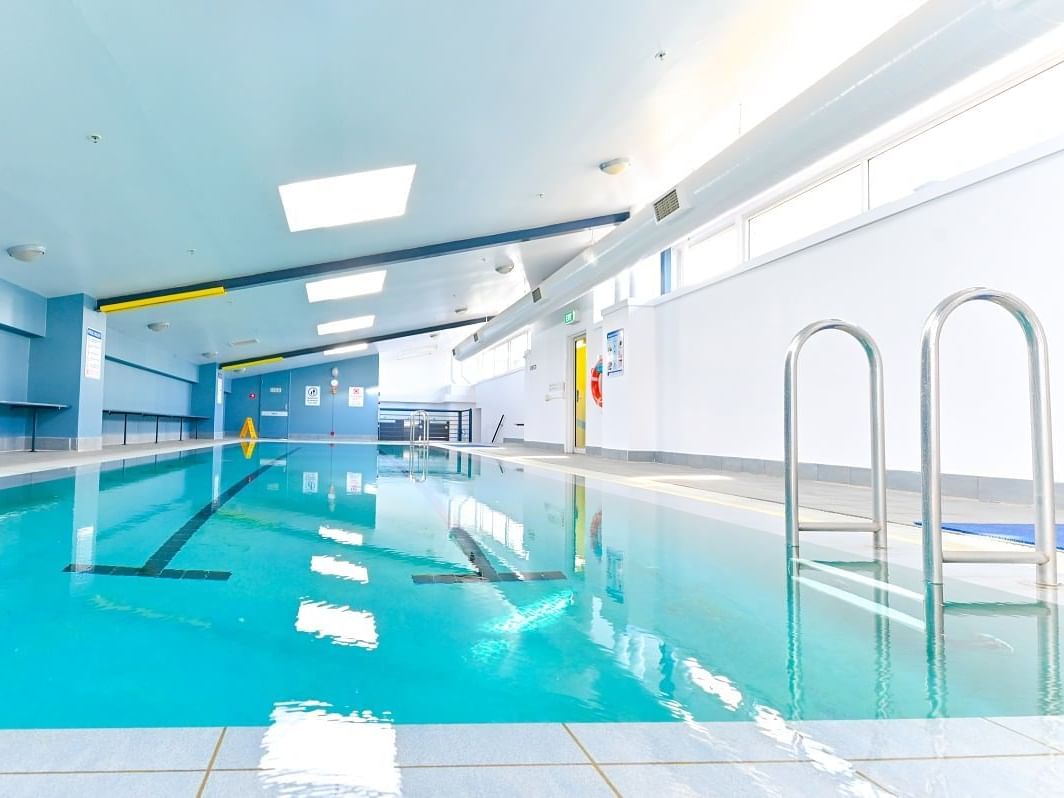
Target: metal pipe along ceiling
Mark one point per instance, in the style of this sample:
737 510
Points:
939 44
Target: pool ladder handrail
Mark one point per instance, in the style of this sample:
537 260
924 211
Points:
878 525
1044 556
419 418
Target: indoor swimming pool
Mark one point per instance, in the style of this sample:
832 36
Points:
239 586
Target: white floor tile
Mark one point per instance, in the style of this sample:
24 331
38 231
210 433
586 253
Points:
488 744
865 739
686 742
437 782
341 747
1048 729
35 750
101 785
495 782
789 779
1015 777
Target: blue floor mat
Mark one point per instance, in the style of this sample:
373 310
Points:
1017 533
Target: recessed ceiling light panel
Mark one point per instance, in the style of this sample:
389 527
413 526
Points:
346 325
344 350
358 284
347 199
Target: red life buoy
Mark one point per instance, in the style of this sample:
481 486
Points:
596 383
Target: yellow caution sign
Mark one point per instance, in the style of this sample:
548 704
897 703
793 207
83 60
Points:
248 430
249 448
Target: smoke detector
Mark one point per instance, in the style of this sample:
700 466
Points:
505 267
159 326
27 252
615 166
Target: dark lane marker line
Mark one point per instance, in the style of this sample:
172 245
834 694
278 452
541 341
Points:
155 566
485 570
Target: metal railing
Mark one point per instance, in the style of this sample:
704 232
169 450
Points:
419 427
1044 557
878 525
445 426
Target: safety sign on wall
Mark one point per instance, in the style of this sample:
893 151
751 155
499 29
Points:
310 481
356 396
93 353
354 482
219 396
615 352
312 395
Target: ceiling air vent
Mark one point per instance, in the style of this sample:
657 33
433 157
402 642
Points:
244 342
666 206
536 295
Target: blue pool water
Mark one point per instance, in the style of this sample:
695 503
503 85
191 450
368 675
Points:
215 588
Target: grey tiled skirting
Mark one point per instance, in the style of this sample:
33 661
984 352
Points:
987 489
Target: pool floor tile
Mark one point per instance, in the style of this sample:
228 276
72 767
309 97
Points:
735 779
50 750
684 742
873 739
101 785
1046 729
1015 777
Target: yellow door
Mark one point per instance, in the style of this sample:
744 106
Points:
580 381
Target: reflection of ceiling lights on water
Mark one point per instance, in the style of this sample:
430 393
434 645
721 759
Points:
307 747
537 615
341 535
334 566
342 624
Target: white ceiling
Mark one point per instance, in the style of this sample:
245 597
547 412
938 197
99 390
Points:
206 107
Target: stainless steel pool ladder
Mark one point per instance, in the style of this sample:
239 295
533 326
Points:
419 418
1044 555
878 525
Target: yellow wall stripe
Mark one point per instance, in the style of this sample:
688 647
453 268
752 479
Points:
133 304
249 363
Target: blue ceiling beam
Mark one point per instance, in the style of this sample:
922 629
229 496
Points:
317 270
371 339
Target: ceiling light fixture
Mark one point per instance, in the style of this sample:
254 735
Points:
344 350
346 325
504 268
615 166
209 355
360 284
244 342
347 199
27 252
462 309
159 326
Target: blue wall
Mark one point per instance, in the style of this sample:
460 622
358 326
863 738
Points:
22 315
130 388
303 421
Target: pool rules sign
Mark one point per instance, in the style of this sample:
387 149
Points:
356 396
312 395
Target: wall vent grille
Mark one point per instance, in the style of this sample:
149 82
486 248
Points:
536 295
667 205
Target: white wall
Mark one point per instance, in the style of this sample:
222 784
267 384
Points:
503 395
418 370
719 349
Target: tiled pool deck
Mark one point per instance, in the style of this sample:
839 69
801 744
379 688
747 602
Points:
766 757
964 756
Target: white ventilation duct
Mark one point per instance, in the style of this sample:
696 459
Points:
936 46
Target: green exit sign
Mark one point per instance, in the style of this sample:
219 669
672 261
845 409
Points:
570 316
